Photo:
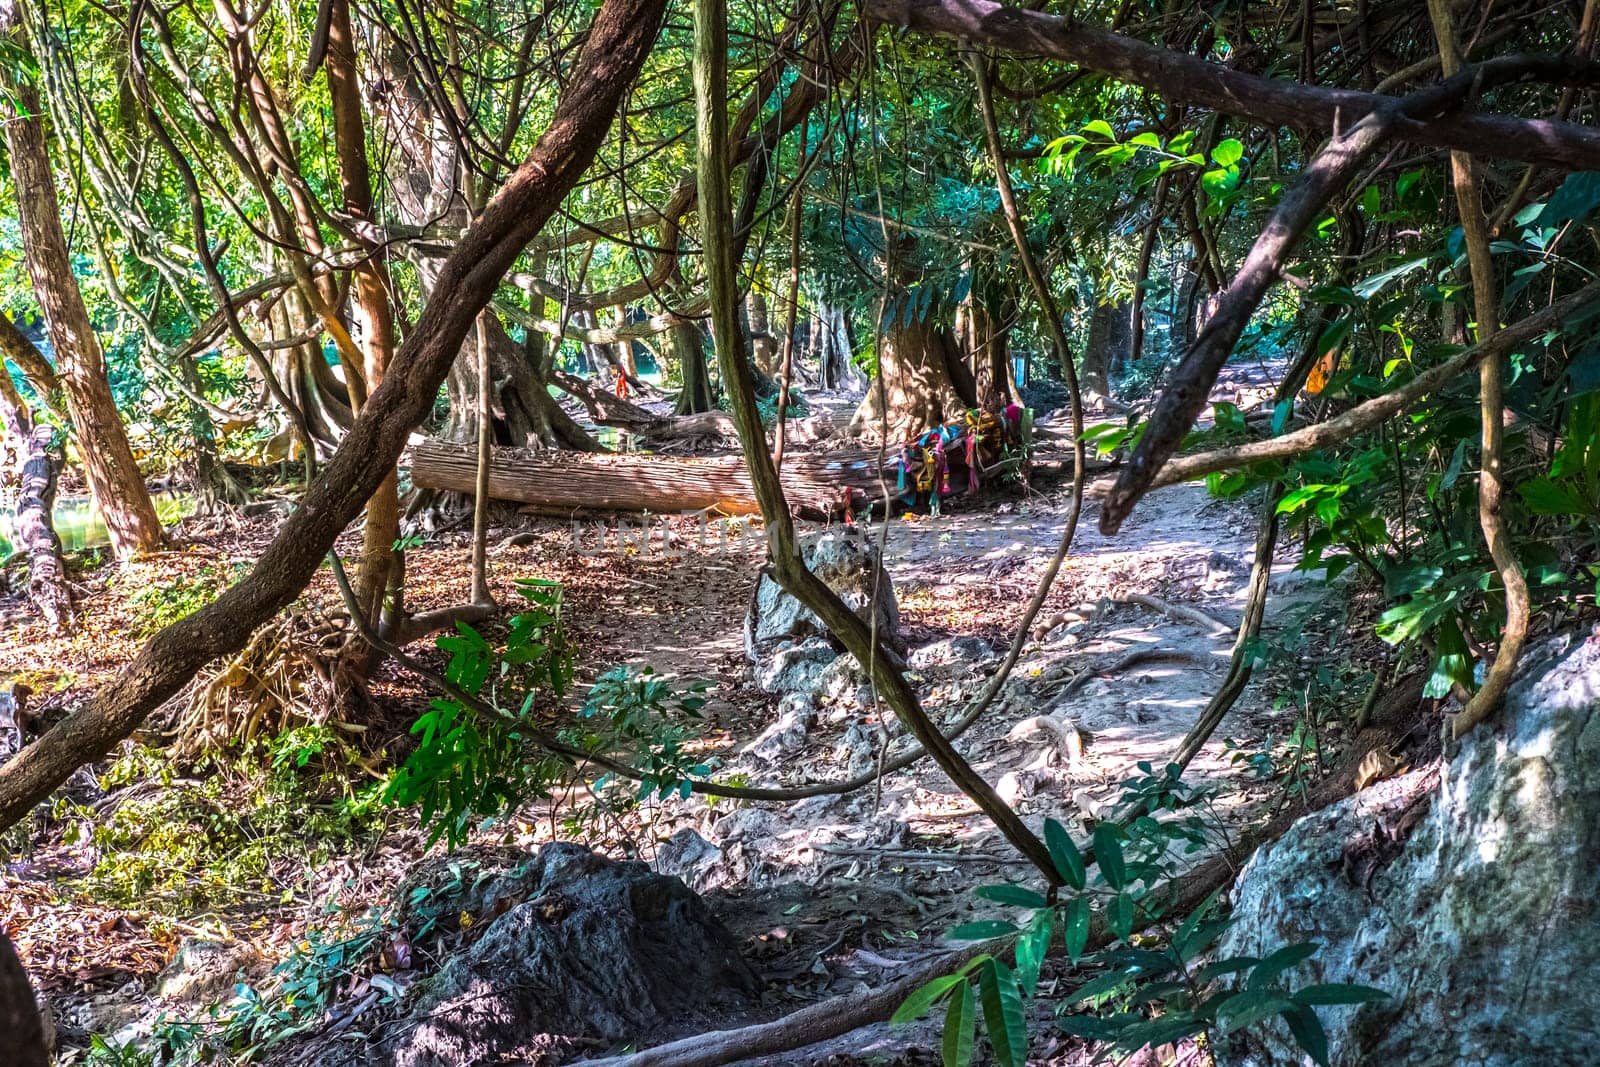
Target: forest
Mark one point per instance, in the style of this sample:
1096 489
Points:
799 532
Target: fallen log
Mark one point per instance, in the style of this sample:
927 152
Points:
557 481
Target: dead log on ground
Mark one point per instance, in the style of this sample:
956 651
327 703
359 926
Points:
567 482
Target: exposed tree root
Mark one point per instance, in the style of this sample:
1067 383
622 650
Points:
1181 612
840 1015
286 676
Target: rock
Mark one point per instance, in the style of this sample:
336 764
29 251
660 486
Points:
204 970
858 748
846 560
691 858
795 668
1481 923
787 735
597 949
963 651
844 680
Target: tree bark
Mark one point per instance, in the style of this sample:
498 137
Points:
37 466
626 482
689 348
1107 348
113 474
922 380
619 39
374 317
20 1027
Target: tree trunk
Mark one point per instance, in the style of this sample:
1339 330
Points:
1107 348
763 346
922 379
372 285
37 466
619 40
689 348
20 1025
113 474
988 349
836 368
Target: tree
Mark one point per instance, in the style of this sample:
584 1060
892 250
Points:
112 472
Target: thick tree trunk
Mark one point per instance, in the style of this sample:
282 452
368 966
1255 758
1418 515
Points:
922 379
688 347
619 40
113 474
988 350
21 1031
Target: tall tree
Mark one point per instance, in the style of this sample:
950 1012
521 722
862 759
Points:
112 472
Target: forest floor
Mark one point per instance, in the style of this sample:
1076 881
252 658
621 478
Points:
825 896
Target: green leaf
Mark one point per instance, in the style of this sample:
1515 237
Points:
1288 956
1576 198
1065 854
1250 1007
1014 895
981 930
960 1027
922 998
1077 927
1120 916
1227 153
1108 854
1308 1032
1032 947
1002 1014
1101 128
1543 496
1338 993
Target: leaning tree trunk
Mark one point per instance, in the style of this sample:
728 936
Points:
689 349
922 379
113 474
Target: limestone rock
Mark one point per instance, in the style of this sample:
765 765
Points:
595 949
787 735
846 559
1483 924
957 652
204 969
689 857
795 668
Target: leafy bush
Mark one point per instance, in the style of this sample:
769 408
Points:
1155 988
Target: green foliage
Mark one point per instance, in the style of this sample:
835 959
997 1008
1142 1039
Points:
158 606
646 714
231 825
468 765
1153 988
